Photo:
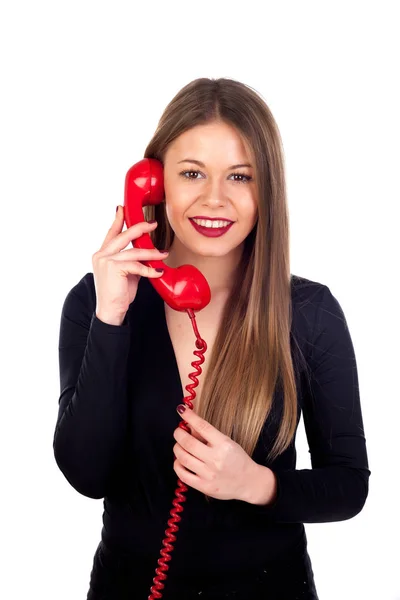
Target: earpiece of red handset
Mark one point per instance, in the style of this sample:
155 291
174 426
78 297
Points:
184 287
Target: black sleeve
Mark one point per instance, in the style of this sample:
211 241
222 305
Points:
336 487
92 418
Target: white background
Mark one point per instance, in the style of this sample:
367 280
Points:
83 86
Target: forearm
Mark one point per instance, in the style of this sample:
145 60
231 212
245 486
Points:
318 495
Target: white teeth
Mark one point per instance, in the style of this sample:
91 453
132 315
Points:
212 224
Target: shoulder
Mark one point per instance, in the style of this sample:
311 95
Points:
316 300
80 301
318 316
313 308
307 296
306 292
84 290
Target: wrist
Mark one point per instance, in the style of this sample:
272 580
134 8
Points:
263 488
110 319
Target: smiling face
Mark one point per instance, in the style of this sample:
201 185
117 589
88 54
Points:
210 188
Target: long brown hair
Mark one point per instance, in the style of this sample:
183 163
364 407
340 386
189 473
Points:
251 352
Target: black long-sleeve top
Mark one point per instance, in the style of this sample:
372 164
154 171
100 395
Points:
119 388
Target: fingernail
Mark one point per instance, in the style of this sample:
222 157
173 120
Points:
181 408
160 270
153 221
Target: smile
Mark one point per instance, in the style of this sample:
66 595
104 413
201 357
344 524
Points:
211 228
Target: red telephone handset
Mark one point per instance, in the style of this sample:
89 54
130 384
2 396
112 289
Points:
181 288
185 289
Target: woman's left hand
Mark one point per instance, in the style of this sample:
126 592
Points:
222 469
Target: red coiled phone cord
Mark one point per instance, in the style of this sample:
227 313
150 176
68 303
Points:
182 488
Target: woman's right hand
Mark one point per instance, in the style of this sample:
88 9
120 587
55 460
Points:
117 273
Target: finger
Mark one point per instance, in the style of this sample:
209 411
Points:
116 227
116 241
131 267
192 445
193 433
191 462
190 479
140 254
203 427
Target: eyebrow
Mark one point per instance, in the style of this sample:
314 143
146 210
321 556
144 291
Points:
198 162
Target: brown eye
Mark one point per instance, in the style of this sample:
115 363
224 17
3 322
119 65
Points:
183 173
245 180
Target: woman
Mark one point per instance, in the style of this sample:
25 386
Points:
278 344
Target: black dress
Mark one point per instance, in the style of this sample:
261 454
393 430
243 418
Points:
119 388
118 577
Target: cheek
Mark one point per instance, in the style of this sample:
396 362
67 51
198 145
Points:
176 209
254 219
253 210
248 211
169 212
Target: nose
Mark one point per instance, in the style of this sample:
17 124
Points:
214 195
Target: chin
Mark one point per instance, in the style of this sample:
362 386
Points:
209 249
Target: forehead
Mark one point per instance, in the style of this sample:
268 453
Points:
209 141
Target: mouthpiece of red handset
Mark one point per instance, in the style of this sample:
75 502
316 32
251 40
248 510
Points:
184 287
